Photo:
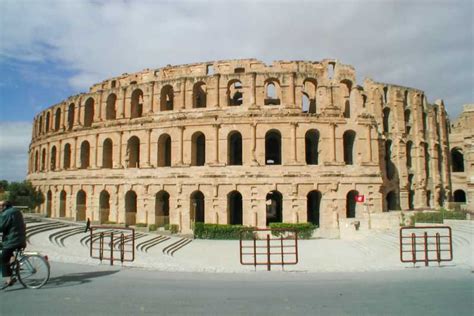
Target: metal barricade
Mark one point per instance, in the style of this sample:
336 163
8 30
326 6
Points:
112 243
426 244
264 249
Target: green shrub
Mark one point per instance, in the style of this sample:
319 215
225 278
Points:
304 230
174 229
140 225
166 226
152 227
109 222
437 217
218 231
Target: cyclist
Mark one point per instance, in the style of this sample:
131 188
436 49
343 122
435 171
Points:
13 229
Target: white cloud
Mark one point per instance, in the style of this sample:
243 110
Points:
15 138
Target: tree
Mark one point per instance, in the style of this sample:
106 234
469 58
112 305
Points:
3 186
24 194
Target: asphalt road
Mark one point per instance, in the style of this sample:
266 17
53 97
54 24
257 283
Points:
102 290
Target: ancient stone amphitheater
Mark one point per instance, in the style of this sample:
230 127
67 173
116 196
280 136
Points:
240 142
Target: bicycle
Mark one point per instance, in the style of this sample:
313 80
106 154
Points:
31 269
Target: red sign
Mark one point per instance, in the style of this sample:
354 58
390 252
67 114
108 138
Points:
360 198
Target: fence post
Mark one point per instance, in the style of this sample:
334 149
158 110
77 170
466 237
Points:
425 235
438 248
101 246
268 253
413 248
111 248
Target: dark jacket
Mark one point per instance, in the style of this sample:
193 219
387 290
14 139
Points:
13 228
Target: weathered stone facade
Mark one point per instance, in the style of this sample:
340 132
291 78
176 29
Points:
240 142
461 142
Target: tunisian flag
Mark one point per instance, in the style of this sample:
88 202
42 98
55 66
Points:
360 198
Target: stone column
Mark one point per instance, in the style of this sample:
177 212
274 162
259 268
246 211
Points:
291 92
369 139
99 114
47 167
124 99
253 79
294 157
152 98
77 113
95 163
148 149
59 151
217 96
216 143
254 160
74 154
183 95
181 145
120 162
333 141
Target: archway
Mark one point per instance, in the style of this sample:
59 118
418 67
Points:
89 112
107 153
85 154
457 160
198 149
234 208
81 206
313 202
234 149
67 156
110 110
392 201
199 95
234 93
197 214
351 203
57 119
274 207
348 140
133 152
130 208
52 165
460 196
311 146
62 204
162 208
136 106
49 200
70 116
166 98
104 206
164 151
273 148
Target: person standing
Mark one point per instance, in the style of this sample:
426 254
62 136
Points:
13 229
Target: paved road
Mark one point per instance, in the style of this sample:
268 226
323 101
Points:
102 290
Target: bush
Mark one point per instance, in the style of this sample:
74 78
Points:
166 226
174 229
140 225
304 230
152 227
437 217
218 231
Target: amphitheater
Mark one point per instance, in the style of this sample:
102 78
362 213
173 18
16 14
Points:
241 142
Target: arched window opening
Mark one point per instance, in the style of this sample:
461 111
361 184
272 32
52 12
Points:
349 140
43 159
235 93
389 166
234 208
62 204
89 112
385 95
392 201
271 94
409 147
81 206
427 160
440 158
313 202
351 203
460 196
107 153
111 110
36 161
104 206
162 208
405 99
309 95
386 120
347 109
166 98
40 131
364 101
199 95
49 202
67 156
70 116
197 214
330 70
424 121
52 165
274 207
407 121
57 119
305 102
273 148
133 152
234 149
428 198
164 151
85 155
47 122
311 146
411 199
136 107
198 149
457 160
346 86
130 208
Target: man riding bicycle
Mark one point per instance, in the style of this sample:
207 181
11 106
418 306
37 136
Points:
13 228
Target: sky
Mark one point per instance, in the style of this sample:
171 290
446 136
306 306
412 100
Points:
50 50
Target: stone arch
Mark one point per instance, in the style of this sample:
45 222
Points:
234 148
133 152
104 206
49 202
235 94
162 208
110 108
274 207
43 159
40 124
409 147
457 160
107 153
313 203
198 149
164 150
167 98
199 95
36 161
389 165
57 119
392 201
309 89
311 146
81 205
272 92
349 142
52 164
346 86
460 196
427 159
89 112
62 203
85 155
67 156
351 203
47 121
273 147
70 116
197 207
130 207
407 116
386 119
136 104
234 208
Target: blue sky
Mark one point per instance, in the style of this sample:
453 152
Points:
52 49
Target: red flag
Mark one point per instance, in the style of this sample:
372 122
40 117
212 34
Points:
360 198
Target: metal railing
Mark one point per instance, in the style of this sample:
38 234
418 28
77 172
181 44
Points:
264 249
112 243
426 244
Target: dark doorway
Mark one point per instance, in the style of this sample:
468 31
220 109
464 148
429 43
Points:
273 148
274 203
313 202
197 207
234 149
351 203
234 207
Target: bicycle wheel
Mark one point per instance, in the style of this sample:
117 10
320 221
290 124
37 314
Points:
33 271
